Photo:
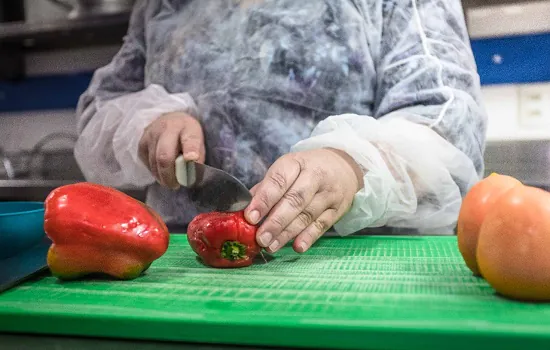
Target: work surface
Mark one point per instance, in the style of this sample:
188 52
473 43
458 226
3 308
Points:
355 293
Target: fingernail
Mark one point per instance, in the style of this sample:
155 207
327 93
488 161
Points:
265 238
273 247
302 246
191 156
254 217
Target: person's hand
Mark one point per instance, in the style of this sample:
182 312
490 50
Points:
302 195
164 139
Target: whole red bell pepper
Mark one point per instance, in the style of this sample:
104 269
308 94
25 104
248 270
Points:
97 229
223 239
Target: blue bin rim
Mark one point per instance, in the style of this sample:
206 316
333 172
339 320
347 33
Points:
31 204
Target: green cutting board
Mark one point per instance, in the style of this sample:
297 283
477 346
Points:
380 293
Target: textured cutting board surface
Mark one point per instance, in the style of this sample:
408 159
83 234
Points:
355 292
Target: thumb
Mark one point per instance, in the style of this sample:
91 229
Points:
254 189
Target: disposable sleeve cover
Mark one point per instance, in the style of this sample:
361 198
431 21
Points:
114 111
423 148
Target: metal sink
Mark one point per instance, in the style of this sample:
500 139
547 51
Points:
31 183
30 175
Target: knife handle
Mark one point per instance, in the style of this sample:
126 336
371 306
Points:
185 172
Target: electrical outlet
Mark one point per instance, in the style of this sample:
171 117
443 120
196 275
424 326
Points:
534 106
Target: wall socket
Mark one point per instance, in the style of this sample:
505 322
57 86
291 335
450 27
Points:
534 106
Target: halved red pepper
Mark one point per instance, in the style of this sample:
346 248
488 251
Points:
98 229
223 239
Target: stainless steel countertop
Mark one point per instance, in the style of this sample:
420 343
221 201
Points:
528 161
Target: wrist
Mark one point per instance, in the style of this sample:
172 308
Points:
353 165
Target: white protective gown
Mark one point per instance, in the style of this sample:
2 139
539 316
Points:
392 82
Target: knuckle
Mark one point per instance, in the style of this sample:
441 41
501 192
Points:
190 147
189 120
284 237
310 236
189 137
162 124
305 218
263 198
335 195
319 173
332 188
278 221
278 180
321 226
190 142
164 160
300 161
296 198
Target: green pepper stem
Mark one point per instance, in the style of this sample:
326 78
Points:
233 250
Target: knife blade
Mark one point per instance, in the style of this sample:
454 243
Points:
212 188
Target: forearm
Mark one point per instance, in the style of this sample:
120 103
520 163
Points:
107 148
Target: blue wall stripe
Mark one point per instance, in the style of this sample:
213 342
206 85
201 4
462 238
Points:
525 59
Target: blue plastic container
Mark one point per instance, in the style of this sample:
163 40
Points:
21 226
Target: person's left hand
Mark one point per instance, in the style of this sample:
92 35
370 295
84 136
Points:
303 194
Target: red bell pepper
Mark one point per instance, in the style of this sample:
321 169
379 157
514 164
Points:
223 239
98 229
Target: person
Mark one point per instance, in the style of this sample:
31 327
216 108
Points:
345 115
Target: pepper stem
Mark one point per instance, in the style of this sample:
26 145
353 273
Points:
233 250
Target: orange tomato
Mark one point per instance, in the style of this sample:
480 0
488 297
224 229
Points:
513 250
473 210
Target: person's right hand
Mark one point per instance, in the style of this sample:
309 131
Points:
165 139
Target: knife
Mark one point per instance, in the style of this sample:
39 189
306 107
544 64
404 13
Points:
211 188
